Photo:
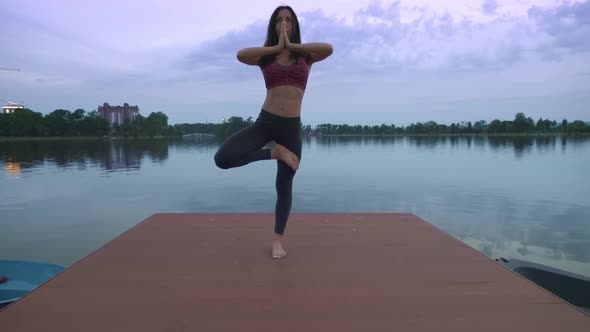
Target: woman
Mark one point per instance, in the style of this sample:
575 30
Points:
285 63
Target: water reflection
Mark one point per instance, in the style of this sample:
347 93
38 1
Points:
428 142
556 239
12 168
111 155
352 141
201 143
520 145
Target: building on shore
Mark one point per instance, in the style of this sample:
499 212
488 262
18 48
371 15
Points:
11 107
118 114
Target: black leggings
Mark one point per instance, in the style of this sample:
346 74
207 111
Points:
246 146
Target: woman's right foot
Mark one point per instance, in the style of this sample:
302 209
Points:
282 153
277 250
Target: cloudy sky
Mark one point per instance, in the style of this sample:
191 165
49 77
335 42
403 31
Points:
394 61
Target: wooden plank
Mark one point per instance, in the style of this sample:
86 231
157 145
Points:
345 272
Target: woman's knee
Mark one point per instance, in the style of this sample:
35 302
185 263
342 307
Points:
221 160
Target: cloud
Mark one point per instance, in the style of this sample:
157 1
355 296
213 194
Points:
216 61
420 49
378 41
567 25
50 80
490 6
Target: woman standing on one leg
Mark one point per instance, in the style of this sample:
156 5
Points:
285 63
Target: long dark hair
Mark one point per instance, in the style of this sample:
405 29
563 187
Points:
272 38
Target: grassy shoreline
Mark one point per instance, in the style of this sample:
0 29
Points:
71 138
445 134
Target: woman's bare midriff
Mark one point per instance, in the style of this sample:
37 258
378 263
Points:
284 100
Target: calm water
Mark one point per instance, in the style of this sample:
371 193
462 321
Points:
516 197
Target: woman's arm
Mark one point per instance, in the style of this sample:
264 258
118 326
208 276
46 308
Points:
317 51
252 55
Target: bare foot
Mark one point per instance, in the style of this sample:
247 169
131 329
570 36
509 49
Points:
277 250
282 153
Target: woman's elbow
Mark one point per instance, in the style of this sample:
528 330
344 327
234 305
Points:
240 56
246 59
328 51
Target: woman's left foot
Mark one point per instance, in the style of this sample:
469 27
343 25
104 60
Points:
282 153
277 250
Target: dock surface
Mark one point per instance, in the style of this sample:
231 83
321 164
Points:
342 272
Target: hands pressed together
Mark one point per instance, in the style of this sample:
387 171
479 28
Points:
284 42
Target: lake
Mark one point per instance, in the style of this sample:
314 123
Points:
524 197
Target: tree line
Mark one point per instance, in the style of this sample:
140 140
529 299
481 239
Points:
520 125
25 122
64 123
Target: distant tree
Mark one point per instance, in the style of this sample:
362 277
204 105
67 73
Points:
59 122
430 127
495 126
520 122
22 122
540 127
232 125
76 119
564 126
577 126
155 124
479 126
454 128
93 125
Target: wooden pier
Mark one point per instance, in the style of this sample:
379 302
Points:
342 272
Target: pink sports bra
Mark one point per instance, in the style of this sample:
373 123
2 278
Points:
295 74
